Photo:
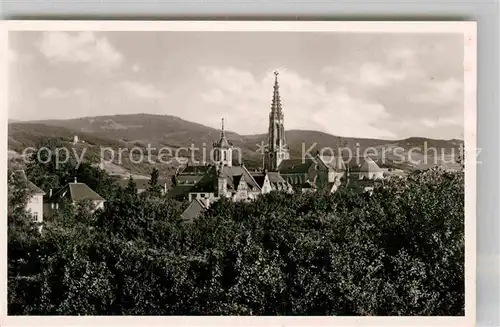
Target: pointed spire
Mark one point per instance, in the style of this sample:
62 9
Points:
276 103
222 133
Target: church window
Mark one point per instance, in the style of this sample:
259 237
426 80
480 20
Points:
225 155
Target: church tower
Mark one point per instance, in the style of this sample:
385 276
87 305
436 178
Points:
277 150
223 150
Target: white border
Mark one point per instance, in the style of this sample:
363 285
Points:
468 29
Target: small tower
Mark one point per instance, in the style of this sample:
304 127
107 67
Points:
221 182
223 150
277 148
75 139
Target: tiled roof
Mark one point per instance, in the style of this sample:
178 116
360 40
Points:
195 170
275 177
295 166
179 191
21 174
77 192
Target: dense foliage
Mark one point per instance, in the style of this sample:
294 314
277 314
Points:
399 251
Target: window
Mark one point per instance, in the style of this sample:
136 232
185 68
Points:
35 216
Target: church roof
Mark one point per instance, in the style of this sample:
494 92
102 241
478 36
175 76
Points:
295 166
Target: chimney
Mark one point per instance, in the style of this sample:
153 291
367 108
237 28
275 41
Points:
75 180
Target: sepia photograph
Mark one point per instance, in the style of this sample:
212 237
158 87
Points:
240 169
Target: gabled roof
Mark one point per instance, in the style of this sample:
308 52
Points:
194 210
77 192
332 162
366 164
233 171
21 174
237 180
259 179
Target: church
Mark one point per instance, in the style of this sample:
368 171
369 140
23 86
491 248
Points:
204 184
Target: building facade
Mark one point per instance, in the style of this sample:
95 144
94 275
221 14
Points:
34 204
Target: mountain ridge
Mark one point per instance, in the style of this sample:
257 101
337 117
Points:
158 131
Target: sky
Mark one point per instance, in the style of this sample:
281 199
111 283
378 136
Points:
365 85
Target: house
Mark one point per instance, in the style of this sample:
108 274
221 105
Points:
364 168
73 193
34 204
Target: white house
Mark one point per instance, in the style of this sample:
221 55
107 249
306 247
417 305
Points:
35 199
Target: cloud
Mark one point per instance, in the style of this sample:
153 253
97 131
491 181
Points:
83 47
398 64
245 100
368 74
56 93
143 91
136 68
441 92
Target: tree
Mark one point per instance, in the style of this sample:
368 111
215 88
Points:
154 188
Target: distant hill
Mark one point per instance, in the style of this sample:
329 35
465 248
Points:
169 131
